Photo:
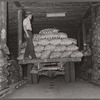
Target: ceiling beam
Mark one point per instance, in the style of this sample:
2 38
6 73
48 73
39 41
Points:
18 5
88 13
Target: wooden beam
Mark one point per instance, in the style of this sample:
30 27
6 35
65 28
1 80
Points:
21 14
78 38
20 24
3 21
84 33
76 59
88 13
7 25
93 11
90 10
18 4
93 15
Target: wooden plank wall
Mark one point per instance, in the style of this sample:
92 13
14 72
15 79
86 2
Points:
12 28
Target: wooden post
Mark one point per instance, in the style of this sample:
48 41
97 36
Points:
93 14
84 33
20 23
3 21
78 38
20 28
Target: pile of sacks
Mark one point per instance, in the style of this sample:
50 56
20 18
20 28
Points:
14 72
50 43
3 66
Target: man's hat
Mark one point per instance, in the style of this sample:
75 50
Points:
28 13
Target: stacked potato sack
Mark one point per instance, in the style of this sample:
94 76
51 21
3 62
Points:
50 43
14 72
3 66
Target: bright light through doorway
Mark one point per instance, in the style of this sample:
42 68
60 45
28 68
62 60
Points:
56 15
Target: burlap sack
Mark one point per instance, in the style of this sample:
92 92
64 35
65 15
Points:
35 43
36 37
65 42
68 41
49 47
55 55
21 57
71 47
54 36
22 51
38 54
55 41
2 45
48 31
49 36
43 42
66 54
3 78
13 79
23 45
3 85
74 41
39 48
2 62
1 55
62 35
60 48
6 49
77 54
45 54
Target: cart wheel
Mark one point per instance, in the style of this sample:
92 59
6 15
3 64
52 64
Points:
67 79
35 78
72 72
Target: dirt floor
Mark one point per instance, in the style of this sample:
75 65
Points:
57 88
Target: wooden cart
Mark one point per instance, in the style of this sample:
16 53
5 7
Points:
50 67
